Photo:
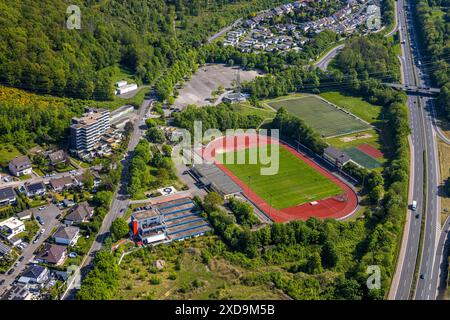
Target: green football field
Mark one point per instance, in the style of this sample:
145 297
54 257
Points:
322 117
295 183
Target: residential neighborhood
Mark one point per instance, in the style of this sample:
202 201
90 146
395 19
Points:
262 34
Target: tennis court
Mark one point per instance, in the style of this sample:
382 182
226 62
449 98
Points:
362 158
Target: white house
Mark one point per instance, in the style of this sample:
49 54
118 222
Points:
20 166
11 227
34 274
66 235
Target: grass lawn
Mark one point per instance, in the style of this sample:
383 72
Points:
356 105
444 161
246 109
326 119
294 184
354 140
7 153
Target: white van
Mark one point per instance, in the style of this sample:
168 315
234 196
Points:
414 205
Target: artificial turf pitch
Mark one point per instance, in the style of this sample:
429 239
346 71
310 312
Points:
294 184
322 117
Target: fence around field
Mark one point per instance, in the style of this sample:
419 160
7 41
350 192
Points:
362 158
326 118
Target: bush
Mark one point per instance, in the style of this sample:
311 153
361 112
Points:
155 280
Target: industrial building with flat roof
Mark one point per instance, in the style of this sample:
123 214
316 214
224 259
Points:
168 221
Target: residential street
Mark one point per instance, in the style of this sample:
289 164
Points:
120 199
28 254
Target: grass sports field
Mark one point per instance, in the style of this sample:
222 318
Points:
356 105
323 117
294 184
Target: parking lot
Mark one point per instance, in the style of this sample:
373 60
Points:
48 214
199 89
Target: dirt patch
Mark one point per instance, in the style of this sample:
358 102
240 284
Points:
356 137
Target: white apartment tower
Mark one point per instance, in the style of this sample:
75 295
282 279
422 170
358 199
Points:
86 131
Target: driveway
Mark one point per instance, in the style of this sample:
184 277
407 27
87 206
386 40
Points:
49 215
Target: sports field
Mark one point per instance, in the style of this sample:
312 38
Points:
295 183
323 117
362 158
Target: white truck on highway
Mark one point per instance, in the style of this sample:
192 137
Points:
414 205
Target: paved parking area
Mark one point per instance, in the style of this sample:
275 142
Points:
49 216
207 79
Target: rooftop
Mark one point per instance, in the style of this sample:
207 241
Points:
7 193
337 155
217 178
66 232
22 161
145 214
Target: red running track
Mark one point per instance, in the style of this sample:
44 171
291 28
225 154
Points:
371 151
325 208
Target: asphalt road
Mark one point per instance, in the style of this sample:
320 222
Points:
326 59
34 179
424 145
28 254
120 199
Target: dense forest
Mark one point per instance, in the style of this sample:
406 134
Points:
38 52
433 18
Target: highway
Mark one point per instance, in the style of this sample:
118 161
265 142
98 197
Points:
119 202
426 174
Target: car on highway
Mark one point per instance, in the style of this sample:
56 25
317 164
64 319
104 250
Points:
422 276
10 272
417 216
2 281
414 205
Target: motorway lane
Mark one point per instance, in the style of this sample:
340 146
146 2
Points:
426 289
423 142
416 124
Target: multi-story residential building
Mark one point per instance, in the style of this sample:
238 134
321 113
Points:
85 132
